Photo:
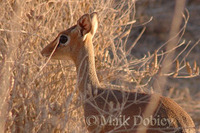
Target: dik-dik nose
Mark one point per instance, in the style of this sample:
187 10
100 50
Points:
44 53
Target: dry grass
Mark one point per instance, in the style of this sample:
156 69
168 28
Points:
41 97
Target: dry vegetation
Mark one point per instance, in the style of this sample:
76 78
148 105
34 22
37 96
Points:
38 95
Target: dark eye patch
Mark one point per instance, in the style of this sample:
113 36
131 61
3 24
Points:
63 39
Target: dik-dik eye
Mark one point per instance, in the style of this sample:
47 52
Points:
63 40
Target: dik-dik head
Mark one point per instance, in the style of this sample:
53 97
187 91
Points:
69 42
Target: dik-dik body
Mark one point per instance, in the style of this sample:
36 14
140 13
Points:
111 110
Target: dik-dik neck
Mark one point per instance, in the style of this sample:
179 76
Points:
85 67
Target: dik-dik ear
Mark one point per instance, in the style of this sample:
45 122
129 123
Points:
88 23
94 21
84 25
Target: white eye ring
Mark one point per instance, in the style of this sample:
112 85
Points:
63 40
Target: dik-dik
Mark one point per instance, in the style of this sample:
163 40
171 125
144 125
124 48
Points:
112 110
